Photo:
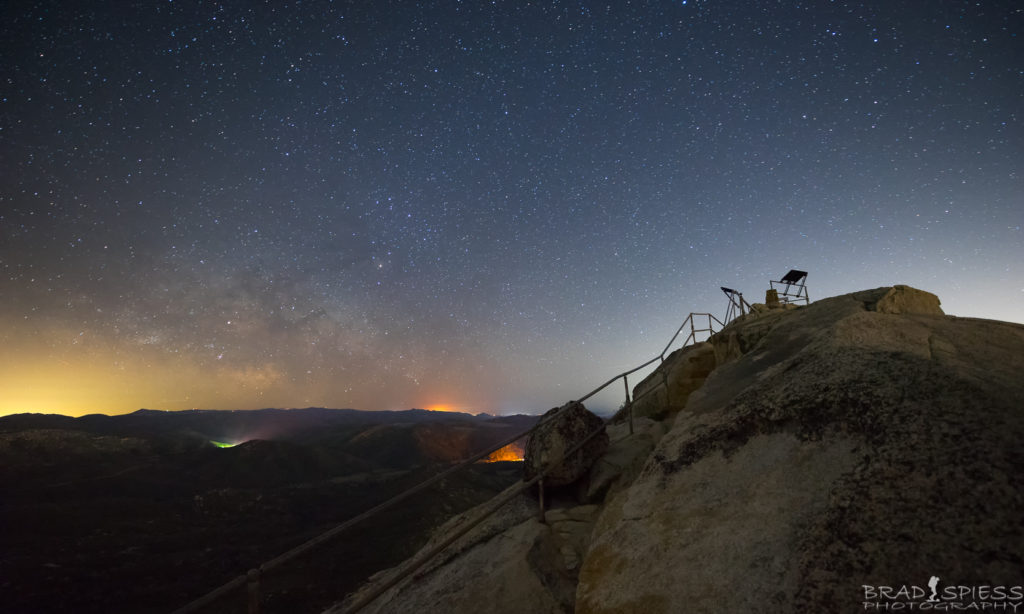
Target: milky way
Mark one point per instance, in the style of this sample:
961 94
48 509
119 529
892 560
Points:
482 206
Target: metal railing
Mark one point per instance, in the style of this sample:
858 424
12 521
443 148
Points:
251 580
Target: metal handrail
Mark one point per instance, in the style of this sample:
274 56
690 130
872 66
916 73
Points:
253 576
277 561
509 496
466 528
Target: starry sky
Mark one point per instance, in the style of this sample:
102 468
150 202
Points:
481 206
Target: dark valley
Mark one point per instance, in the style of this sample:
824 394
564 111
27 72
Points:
147 511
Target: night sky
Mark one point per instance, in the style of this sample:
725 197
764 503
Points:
482 206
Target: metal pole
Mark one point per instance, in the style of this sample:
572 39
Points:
254 591
664 380
629 404
540 490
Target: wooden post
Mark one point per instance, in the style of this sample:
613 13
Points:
254 591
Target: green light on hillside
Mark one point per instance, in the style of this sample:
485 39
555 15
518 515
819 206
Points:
221 444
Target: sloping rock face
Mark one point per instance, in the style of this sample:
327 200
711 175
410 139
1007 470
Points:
556 436
509 564
625 457
838 447
512 563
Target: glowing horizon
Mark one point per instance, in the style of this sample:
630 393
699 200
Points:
88 387
479 229
445 407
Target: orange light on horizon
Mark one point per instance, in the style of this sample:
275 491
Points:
72 389
511 452
441 407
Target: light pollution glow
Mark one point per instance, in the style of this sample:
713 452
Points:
79 387
64 373
497 229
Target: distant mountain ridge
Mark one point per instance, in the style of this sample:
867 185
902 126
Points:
280 445
236 426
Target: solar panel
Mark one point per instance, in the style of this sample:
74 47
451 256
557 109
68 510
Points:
794 276
795 290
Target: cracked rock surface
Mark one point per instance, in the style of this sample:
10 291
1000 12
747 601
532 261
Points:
839 445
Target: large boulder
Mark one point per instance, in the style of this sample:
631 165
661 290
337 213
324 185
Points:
904 299
561 429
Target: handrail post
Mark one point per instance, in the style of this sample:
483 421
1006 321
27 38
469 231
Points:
629 404
540 491
664 380
254 591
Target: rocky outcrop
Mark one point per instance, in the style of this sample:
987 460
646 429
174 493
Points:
512 562
838 448
665 391
560 430
904 299
744 333
865 439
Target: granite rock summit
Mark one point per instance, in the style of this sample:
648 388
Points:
866 439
